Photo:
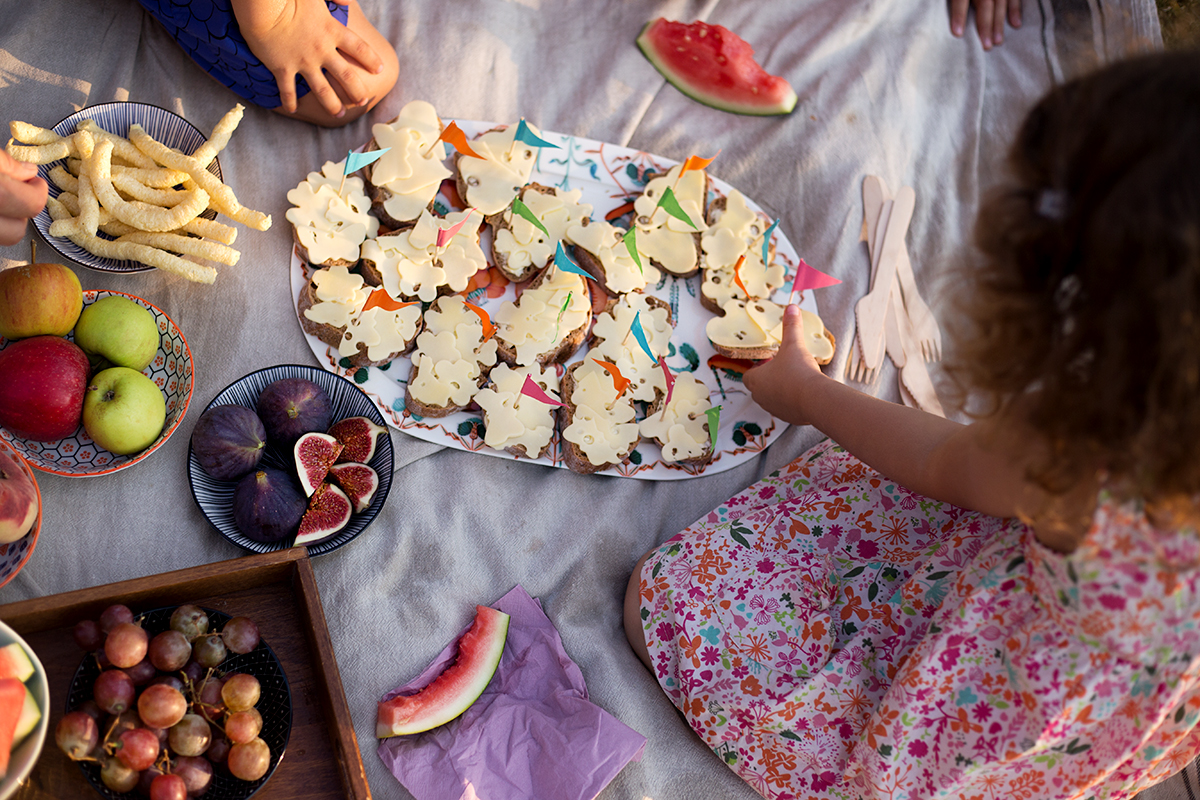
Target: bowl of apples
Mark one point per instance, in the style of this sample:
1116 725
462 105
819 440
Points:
91 382
20 512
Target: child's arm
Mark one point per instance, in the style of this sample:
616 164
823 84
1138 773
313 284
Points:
936 457
989 18
300 37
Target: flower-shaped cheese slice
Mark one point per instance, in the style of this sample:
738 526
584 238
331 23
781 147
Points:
331 226
663 237
604 241
512 418
412 265
412 170
383 333
682 426
621 348
603 434
339 295
523 243
532 324
504 167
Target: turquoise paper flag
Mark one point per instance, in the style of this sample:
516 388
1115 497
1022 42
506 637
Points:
531 389
640 335
356 161
767 243
669 202
714 421
563 261
527 136
522 210
630 240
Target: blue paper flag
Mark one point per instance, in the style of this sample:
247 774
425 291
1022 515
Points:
530 138
767 242
356 161
640 335
563 261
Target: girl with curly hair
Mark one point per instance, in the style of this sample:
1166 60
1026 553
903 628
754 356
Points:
1007 608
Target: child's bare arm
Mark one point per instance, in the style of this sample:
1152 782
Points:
300 37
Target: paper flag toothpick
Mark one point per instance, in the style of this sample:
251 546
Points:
489 329
630 240
562 311
356 161
669 202
767 243
670 378
737 275
696 162
714 422
381 299
809 278
519 208
444 235
533 390
524 134
640 335
457 139
620 382
563 261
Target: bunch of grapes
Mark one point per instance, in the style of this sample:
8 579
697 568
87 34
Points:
163 717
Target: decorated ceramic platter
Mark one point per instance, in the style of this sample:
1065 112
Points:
610 177
116 117
77 456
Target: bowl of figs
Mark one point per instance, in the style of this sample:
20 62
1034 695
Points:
288 456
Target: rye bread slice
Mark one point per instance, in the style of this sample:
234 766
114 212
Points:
715 209
764 352
302 252
651 300
695 236
419 408
333 335
572 455
566 347
379 194
498 223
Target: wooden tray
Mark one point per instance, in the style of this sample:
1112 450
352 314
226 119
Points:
279 592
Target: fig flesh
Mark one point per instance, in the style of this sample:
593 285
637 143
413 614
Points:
328 512
315 454
359 437
228 441
358 481
290 407
267 506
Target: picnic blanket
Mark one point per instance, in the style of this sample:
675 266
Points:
883 89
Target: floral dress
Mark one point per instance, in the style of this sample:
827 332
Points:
830 634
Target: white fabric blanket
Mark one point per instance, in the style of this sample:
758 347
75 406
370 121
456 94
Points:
884 89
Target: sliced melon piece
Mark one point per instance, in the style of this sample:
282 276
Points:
460 684
15 663
12 705
711 64
31 715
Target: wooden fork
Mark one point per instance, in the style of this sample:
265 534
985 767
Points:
871 311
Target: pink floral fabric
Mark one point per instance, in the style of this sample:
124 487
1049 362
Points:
830 634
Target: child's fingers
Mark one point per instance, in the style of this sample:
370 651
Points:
325 94
347 76
286 81
985 11
17 170
999 16
358 49
1014 13
22 198
793 331
958 16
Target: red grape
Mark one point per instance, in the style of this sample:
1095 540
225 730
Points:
113 615
88 635
209 651
249 760
209 705
242 726
240 635
218 751
240 692
142 672
168 787
126 644
169 651
168 680
117 776
161 706
137 749
189 620
113 691
196 772
76 735
190 736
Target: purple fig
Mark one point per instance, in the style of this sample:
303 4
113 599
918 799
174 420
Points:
267 506
291 407
359 437
358 481
228 441
328 512
315 453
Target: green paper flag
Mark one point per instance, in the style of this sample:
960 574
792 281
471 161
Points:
562 311
522 210
669 202
630 240
714 421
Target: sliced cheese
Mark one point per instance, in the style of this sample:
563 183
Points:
331 226
412 170
759 324
512 418
503 168
604 241
412 265
531 325
681 427
663 237
604 435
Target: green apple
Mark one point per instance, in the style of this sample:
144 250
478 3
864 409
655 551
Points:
118 330
123 410
38 299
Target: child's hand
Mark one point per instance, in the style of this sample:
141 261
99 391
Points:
294 37
989 18
782 385
22 195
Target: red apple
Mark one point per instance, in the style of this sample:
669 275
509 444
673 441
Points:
19 501
37 299
42 382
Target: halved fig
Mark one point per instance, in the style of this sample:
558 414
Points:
359 436
328 512
358 481
315 454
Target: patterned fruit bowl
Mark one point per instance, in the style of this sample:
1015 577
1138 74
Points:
13 555
77 456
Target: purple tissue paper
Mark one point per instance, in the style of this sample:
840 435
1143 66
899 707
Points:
532 733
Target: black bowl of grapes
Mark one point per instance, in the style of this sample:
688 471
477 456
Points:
174 703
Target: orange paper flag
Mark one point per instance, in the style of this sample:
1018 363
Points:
620 382
696 162
455 136
737 277
488 328
381 299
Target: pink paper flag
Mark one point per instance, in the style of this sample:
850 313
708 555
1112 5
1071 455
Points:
809 278
533 390
670 377
444 235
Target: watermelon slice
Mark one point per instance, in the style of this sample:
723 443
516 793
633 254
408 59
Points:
31 715
711 64
459 685
12 704
15 663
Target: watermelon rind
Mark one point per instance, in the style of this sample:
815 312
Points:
747 101
15 662
30 716
452 692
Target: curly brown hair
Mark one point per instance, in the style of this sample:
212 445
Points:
1083 311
